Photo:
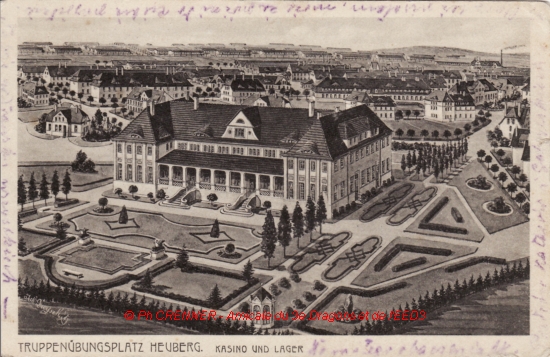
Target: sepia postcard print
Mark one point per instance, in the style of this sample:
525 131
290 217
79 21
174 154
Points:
274 178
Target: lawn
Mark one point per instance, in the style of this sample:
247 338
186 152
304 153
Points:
197 285
388 201
35 240
317 254
402 250
30 269
77 178
416 285
295 291
445 217
175 234
104 259
351 259
413 206
476 199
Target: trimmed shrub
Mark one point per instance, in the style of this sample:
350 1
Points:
298 304
348 207
309 296
474 261
64 203
342 210
435 210
409 264
317 285
28 212
244 307
229 248
442 228
408 248
456 215
284 283
295 277
335 213
353 205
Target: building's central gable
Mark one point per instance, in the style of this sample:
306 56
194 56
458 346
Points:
240 128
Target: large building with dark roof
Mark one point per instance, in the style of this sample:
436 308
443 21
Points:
247 155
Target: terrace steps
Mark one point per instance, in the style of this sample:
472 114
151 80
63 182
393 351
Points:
175 201
242 209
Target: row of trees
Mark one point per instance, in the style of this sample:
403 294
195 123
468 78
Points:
399 114
42 191
425 133
435 157
122 302
445 296
294 227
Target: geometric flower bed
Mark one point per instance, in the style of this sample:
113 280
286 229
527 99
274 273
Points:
317 254
105 259
476 199
413 206
443 214
401 252
387 202
351 259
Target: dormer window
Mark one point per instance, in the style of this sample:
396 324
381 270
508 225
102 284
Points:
239 133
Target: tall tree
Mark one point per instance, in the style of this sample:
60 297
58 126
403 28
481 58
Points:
33 191
182 261
310 217
147 280
269 237
66 186
248 271
298 223
215 297
21 192
285 229
321 213
44 191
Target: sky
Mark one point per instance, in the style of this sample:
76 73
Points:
477 34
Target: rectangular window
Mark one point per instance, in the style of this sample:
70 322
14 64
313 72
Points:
335 193
301 191
139 173
149 174
388 164
351 185
290 164
357 155
362 152
351 158
342 188
301 165
129 149
312 166
171 145
368 175
119 148
128 172
138 150
119 172
325 167
239 133
150 150
383 166
362 177
167 148
290 190
341 163
312 191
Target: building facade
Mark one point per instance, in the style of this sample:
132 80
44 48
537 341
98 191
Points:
261 153
449 107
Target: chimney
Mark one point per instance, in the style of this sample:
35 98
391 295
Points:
196 103
311 109
152 107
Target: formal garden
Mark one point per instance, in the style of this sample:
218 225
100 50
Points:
351 259
413 206
447 217
321 250
401 255
386 202
105 259
479 199
203 237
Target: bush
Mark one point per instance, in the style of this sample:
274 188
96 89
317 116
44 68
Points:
526 208
295 277
409 264
348 207
309 296
435 210
161 194
342 210
284 283
353 205
274 289
335 213
229 248
442 228
267 204
244 307
317 285
151 196
373 191
298 304
456 215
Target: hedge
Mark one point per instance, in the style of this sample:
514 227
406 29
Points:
302 324
409 248
474 261
442 228
409 264
435 210
72 201
456 215
28 212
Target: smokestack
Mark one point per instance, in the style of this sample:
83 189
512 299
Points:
311 109
152 107
196 103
